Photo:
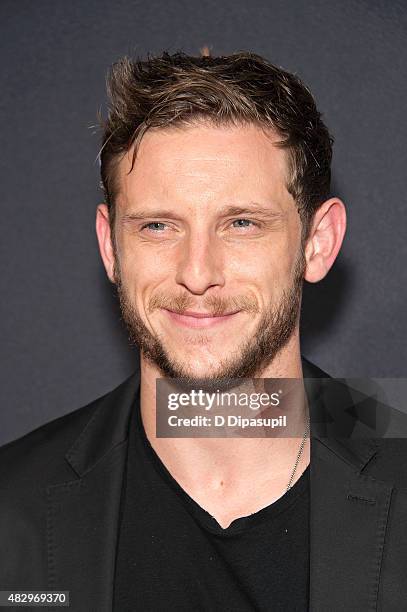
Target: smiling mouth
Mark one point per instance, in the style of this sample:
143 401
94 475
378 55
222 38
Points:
199 319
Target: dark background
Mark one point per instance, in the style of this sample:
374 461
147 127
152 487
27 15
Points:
62 341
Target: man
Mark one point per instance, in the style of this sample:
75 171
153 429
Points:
216 173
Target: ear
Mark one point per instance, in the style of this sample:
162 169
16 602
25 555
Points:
105 240
325 239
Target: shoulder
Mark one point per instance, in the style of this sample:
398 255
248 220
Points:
39 455
388 425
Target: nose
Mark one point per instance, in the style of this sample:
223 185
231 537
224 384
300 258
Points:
200 264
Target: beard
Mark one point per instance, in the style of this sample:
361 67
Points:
273 331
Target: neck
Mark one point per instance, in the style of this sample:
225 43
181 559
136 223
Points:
207 468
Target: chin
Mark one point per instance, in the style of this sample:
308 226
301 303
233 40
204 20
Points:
201 371
195 368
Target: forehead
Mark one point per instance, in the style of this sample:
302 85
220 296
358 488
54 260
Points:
218 161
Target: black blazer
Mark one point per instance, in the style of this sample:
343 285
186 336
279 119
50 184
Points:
60 489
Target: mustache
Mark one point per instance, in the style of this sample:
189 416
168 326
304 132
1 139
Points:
214 305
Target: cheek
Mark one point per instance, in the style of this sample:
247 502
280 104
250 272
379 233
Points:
144 272
147 257
264 264
289 249
140 260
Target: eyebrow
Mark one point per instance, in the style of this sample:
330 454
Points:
227 211
251 208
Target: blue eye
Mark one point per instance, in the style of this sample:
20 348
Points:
242 222
155 226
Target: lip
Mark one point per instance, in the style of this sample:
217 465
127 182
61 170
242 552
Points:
199 319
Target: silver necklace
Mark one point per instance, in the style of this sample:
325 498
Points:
299 455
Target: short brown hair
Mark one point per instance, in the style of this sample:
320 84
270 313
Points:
236 89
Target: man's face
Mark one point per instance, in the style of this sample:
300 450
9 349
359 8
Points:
205 226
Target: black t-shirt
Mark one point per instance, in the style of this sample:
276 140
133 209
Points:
173 555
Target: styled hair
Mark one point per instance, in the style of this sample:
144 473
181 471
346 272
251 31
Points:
237 89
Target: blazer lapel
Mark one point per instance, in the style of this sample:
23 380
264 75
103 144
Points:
348 516
83 514
348 508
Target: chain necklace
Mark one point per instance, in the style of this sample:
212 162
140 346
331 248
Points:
299 454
